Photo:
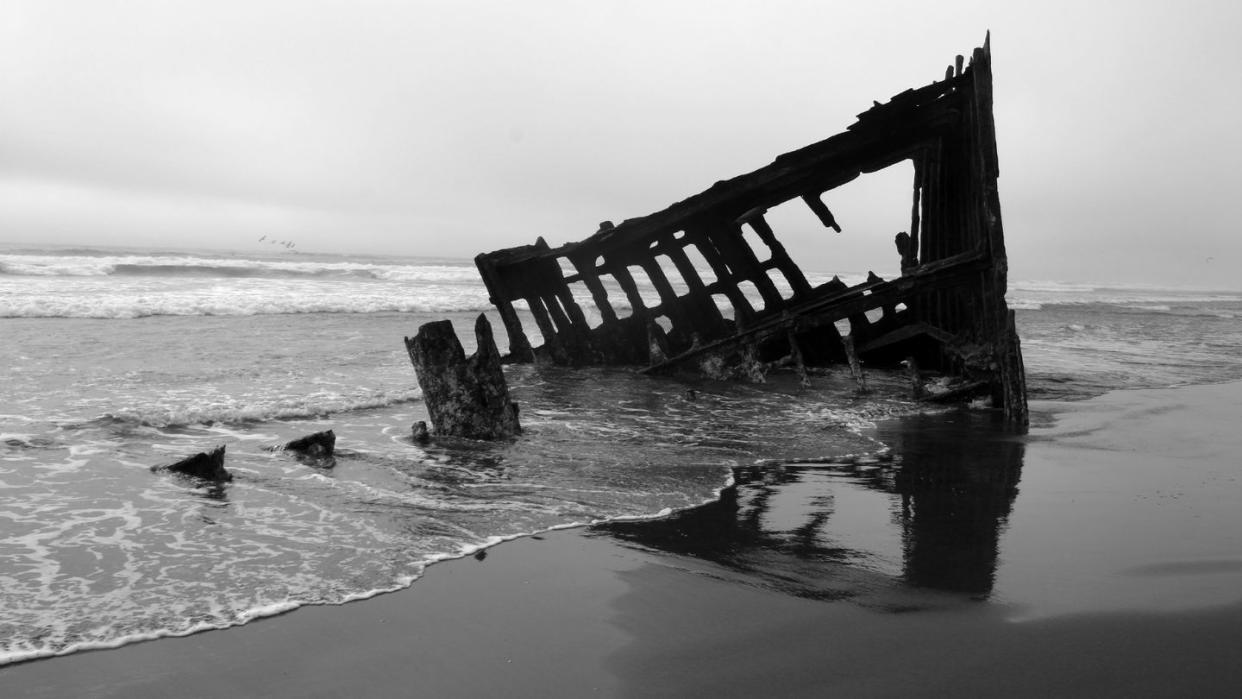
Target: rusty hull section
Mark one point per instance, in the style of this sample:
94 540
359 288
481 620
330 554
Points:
946 312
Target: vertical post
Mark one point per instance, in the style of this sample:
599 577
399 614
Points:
855 365
795 352
1008 354
519 344
464 397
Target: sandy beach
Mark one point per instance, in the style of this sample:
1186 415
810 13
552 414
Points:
880 350
1101 555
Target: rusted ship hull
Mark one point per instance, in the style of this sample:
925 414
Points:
945 313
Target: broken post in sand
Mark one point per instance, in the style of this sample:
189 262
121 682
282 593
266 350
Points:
465 397
855 366
208 466
319 444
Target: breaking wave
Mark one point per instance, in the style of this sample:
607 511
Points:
1025 295
137 305
139 286
243 412
191 266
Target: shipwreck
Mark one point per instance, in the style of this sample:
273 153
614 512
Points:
732 309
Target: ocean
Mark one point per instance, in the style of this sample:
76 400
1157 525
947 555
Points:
115 361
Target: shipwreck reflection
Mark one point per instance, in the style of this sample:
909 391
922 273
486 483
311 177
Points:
957 489
927 514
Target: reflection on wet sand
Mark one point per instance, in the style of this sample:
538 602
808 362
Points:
927 514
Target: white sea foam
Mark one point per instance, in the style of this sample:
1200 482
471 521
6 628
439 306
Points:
1052 286
1025 305
22 650
246 297
133 286
1033 295
202 410
173 265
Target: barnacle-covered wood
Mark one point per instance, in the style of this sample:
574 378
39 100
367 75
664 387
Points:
208 466
729 300
465 397
320 444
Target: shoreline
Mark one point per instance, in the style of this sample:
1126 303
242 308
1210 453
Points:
702 601
477 552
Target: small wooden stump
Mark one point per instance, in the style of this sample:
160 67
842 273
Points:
320 444
208 466
465 397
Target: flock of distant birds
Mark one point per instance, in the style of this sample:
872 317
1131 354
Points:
289 244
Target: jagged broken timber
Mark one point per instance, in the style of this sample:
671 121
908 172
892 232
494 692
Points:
208 466
320 444
465 397
946 312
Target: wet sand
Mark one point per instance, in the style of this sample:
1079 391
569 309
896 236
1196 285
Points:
1099 556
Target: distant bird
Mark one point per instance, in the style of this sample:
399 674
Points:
261 239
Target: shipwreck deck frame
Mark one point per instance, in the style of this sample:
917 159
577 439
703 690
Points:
946 312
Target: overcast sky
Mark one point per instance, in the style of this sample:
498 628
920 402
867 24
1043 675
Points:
451 128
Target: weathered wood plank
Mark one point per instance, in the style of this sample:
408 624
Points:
465 397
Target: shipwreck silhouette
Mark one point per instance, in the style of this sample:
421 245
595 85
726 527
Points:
729 308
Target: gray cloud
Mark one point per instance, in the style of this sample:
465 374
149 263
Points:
451 128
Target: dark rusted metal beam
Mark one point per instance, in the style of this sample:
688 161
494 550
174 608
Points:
946 311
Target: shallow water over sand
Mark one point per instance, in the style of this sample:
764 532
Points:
103 551
1122 503
113 364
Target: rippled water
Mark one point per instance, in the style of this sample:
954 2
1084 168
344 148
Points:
102 550
98 387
